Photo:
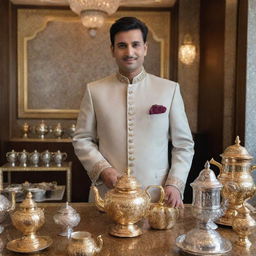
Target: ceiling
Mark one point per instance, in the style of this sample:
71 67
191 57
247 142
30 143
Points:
126 3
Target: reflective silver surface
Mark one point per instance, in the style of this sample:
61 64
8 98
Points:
203 239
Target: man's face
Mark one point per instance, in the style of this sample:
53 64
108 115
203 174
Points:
129 51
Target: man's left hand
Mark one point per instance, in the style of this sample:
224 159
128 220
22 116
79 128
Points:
172 197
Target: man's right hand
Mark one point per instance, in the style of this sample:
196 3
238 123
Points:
109 177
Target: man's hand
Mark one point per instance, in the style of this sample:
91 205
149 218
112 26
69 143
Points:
109 177
172 197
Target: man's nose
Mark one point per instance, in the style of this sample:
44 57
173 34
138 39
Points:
129 50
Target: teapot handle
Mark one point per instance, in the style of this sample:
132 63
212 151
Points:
162 195
253 168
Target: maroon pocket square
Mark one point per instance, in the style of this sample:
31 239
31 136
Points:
157 109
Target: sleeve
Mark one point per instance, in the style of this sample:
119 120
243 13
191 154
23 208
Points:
182 142
85 139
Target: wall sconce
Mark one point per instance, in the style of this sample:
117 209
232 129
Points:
187 51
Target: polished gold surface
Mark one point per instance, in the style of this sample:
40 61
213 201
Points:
243 225
235 168
28 219
162 216
65 167
83 244
126 204
25 130
152 243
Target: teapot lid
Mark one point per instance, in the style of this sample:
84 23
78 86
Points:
127 182
206 179
236 151
28 202
66 209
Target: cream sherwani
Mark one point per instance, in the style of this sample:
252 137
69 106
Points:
115 129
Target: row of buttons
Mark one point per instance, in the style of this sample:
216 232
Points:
130 128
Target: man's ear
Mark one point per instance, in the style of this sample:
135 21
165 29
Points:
145 48
112 50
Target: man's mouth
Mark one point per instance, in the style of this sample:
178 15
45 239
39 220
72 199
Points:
129 59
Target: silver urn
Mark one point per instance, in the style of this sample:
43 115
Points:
59 157
12 157
42 129
67 217
58 131
5 205
206 207
46 158
23 157
34 158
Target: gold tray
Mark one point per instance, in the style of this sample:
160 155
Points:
20 245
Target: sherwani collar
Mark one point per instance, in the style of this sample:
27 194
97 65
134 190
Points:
136 79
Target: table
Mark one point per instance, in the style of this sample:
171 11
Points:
66 167
151 243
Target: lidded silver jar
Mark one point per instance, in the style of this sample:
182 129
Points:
68 218
206 207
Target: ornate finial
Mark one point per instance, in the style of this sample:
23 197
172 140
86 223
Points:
207 165
128 172
237 141
29 195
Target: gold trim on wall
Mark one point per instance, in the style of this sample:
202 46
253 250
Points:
38 22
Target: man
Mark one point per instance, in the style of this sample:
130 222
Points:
126 120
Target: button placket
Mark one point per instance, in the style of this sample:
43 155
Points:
130 126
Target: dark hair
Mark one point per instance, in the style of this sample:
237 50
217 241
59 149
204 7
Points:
125 24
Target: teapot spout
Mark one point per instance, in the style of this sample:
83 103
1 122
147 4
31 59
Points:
99 244
98 200
13 203
212 161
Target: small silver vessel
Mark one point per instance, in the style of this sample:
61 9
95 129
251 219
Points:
203 239
68 218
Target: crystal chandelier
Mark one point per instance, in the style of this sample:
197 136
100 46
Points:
187 51
93 12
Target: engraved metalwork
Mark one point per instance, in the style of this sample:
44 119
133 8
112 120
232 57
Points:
68 218
34 158
59 157
58 131
12 157
126 204
46 157
25 130
83 244
28 219
23 157
203 239
5 205
162 216
42 129
235 168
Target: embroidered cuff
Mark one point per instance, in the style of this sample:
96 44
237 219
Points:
94 174
176 182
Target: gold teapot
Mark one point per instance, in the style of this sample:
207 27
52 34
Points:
235 168
126 204
83 244
162 216
28 219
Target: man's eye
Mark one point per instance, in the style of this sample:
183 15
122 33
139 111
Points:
122 46
136 45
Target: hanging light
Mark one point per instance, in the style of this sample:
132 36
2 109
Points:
187 51
93 12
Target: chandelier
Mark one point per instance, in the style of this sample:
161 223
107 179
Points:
93 12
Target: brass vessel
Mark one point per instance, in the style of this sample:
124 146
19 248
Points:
25 130
5 205
28 219
243 224
162 216
83 244
58 131
126 204
42 129
236 167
